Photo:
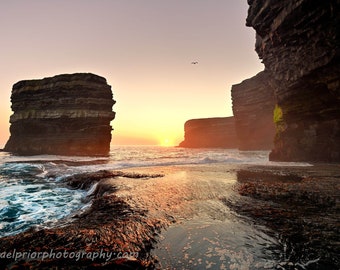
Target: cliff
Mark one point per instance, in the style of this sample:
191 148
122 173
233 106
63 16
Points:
253 106
298 42
210 132
65 115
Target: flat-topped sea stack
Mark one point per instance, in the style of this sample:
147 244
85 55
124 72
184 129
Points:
253 106
218 132
66 114
298 42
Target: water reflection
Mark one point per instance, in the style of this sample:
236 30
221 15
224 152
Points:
207 233
212 244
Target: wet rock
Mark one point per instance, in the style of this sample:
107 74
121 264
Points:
300 206
109 226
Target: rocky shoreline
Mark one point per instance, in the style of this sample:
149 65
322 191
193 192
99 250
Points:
128 212
301 205
109 226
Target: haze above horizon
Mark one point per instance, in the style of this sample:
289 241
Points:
145 49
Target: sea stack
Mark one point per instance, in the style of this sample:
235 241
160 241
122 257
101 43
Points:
217 132
298 42
67 114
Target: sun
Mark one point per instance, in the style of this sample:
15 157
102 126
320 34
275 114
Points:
166 142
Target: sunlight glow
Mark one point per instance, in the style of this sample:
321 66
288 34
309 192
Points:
156 91
166 142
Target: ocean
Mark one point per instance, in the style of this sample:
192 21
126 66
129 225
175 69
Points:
32 192
214 217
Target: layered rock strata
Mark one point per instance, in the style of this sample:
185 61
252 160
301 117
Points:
216 132
253 105
298 42
65 115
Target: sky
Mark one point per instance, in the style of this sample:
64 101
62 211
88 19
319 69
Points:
144 49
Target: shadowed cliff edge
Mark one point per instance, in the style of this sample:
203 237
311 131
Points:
253 105
298 42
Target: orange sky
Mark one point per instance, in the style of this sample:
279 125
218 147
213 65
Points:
143 48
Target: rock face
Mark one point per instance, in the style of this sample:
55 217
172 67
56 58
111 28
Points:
253 106
298 42
65 115
210 132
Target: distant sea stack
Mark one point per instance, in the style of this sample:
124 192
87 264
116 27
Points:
66 114
253 106
218 132
298 42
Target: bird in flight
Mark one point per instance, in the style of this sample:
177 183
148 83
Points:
194 63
